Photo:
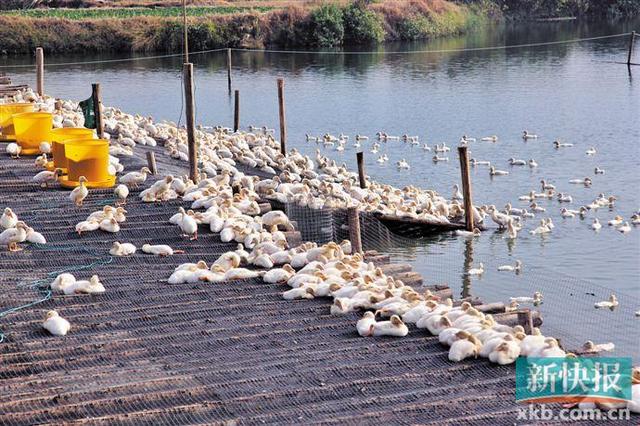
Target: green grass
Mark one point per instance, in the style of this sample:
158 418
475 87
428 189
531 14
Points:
100 13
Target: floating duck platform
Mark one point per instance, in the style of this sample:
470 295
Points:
412 227
147 352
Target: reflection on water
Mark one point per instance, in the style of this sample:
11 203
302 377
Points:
576 92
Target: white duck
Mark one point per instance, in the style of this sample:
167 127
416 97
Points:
514 162
532 163
121 192
188 224
464 348
80 192
527 135
625 228
457 194
366 323
14 150
494 172
92 286
34 237
394 327
122 249
610 304
492 138
9 219
62 282
517 268
596 224
135 178
160 250
536 299
591 151
616 221
13 236
45 177
598 171
279 275
403 165
558 144
55 324
476 271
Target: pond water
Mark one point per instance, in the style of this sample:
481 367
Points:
576 92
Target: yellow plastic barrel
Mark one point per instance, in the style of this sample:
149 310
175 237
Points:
58 139
88 158
6 118
31 129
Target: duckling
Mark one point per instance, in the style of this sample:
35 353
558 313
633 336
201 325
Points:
494 172
394 327
41 161
45 147
55 324
14 150
93 286
541 229
188 224
505 353
34 237
230 260
45 177
121 192
616 221
532 343
517 268
366 324
13 236
592 348
464 348
610 304
625 228
62 281
476 271
299 293
9 219
551 350
87 226
527 135
160 250
262 260
134 179
591 151
403 165
122 249
434 323
536 299
109 225
240 274
468 234
79 193
279 275
598 171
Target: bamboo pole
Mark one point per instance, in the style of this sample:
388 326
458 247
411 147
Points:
283 118
40 71
236 111
151 162
631 41
97 108
466 187
353 220
190 119
229 68
361 175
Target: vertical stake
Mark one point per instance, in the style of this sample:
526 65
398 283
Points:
466 187
360 160
631 41
185 34
40 71
97 109
283 118
236 112
151 162
190 119
353 220
229 68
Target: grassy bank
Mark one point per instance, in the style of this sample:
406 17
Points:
319 24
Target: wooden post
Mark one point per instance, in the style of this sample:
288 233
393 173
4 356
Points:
631 41
190 119
151 162
97 109
40 71
353 220
466 187
185 33
283 119
236 112
229 68
360 160
525 319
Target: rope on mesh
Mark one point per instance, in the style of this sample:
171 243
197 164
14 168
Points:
42 285
306 52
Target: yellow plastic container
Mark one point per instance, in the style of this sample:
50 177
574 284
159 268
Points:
32 128
88 158
58 139
6 118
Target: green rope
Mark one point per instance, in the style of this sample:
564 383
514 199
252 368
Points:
43 284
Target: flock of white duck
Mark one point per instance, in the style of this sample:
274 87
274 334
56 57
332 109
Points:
309 270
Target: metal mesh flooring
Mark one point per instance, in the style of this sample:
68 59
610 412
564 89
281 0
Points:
147 352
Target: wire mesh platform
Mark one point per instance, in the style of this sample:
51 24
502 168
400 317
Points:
147 352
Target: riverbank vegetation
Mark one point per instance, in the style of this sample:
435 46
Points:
315 24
